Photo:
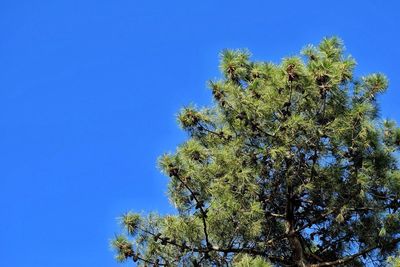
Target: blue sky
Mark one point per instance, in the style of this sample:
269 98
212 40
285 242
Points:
89 91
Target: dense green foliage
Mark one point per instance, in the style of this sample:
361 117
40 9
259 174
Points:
394 262
292 166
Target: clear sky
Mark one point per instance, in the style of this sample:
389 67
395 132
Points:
89 91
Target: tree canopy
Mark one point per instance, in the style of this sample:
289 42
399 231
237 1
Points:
291 166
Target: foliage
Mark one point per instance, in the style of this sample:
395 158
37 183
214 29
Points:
394 262
247 261
292 166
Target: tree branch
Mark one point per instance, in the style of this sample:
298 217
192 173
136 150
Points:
200 206
352 257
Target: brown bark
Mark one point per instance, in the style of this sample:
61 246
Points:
293 236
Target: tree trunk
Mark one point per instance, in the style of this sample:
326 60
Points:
298 251
294 239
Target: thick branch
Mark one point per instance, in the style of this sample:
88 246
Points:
352 257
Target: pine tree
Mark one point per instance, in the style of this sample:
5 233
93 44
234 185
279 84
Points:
291 166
